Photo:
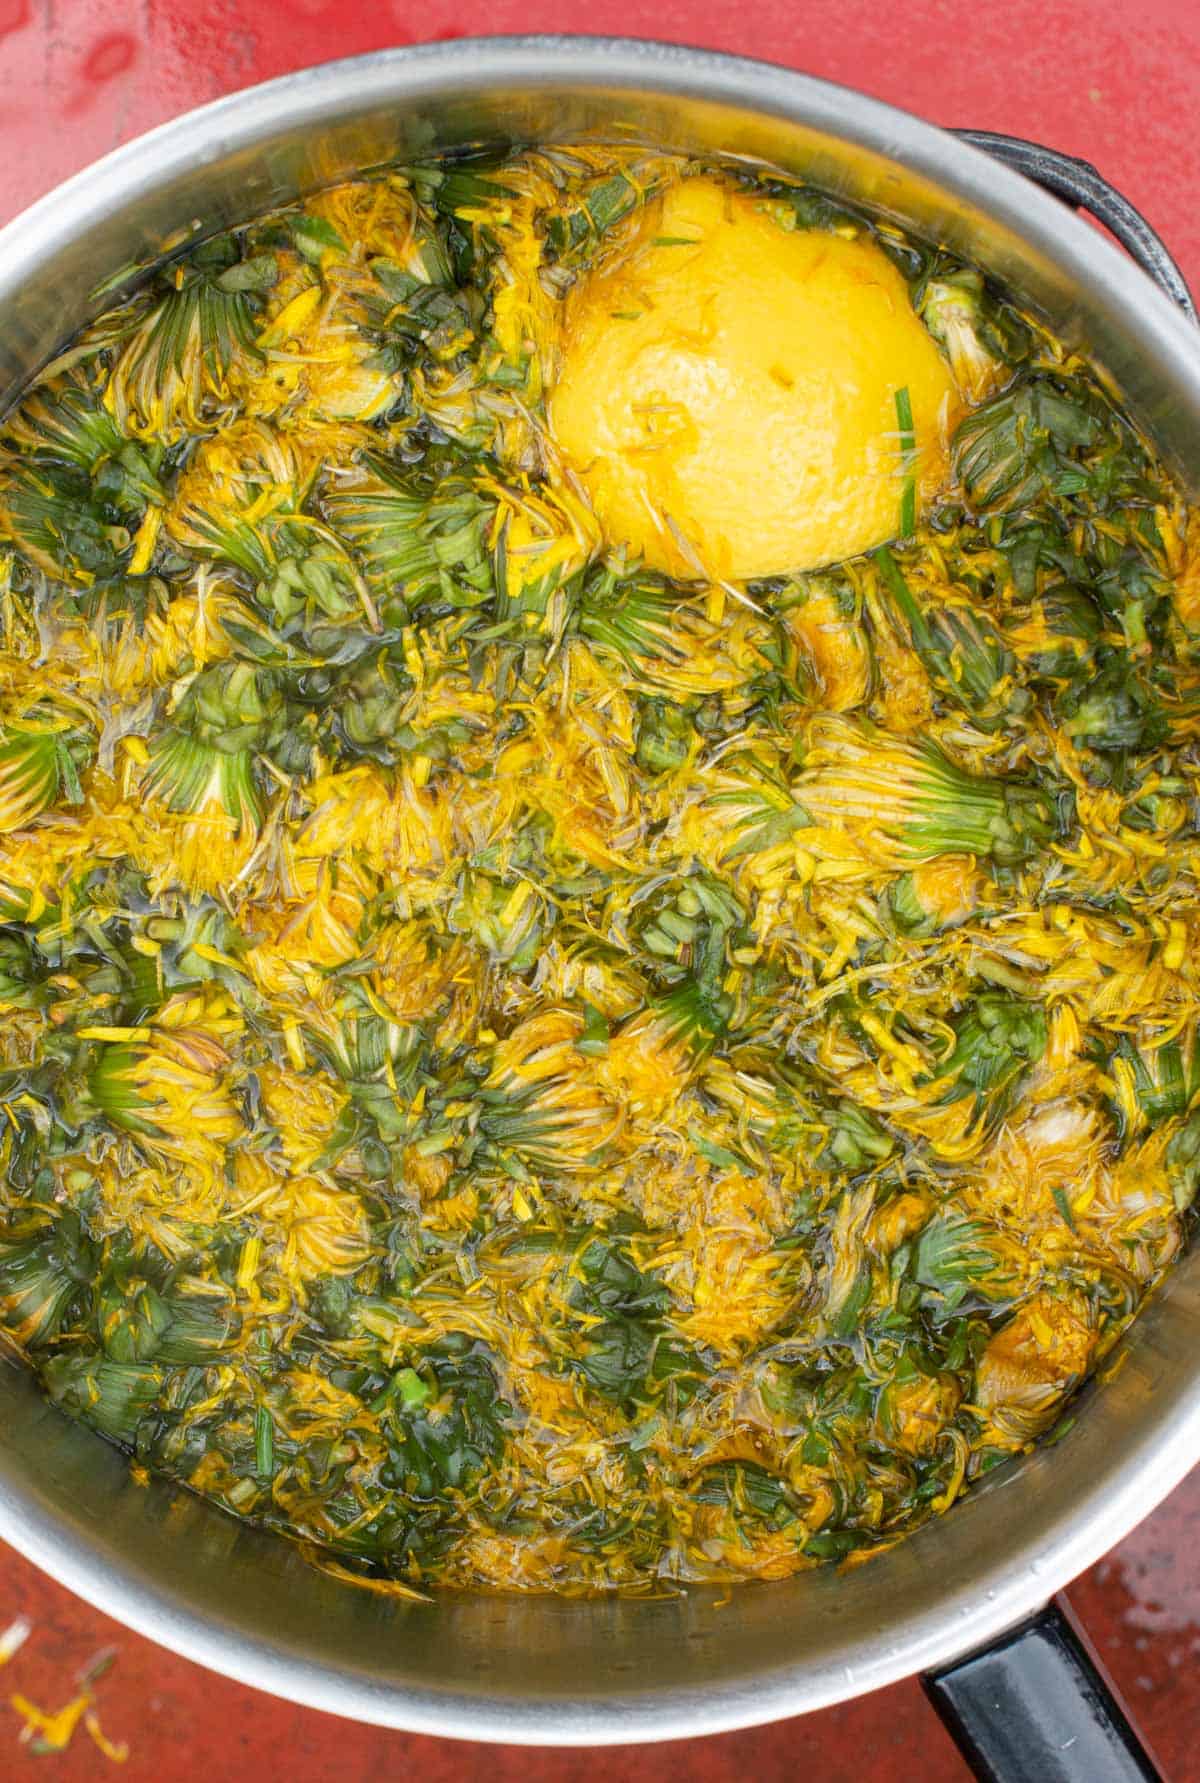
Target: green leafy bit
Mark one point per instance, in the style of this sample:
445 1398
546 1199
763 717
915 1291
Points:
907 440
171 375
1039 435
914 796
963 653
418 544
959 1261
38 767
996 1043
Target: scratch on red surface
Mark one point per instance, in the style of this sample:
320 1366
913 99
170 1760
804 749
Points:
109 56
13 14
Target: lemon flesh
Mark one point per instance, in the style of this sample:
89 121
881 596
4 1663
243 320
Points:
727 389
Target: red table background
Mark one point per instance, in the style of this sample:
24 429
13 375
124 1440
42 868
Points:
1115 83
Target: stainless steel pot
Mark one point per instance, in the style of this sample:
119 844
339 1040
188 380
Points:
563 1672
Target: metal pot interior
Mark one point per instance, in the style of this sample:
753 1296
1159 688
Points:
575 1671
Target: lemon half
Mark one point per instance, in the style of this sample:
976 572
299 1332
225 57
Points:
727 391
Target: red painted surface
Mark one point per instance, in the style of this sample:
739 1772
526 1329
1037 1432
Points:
1116 84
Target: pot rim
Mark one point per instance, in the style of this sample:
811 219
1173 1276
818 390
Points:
1102 1514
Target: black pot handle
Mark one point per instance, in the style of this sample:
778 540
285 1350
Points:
1034 1707
1079 184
